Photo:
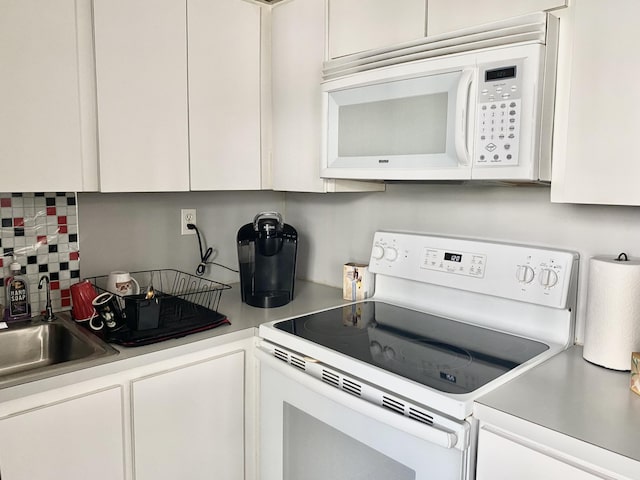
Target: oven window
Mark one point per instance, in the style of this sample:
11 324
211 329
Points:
314 450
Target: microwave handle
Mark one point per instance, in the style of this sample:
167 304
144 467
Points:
462 130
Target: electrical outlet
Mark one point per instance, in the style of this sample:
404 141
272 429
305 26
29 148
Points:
187 215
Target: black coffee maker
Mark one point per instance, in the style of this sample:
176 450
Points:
267 257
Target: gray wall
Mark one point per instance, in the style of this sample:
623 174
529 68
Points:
140 231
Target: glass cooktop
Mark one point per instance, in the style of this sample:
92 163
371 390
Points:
444 354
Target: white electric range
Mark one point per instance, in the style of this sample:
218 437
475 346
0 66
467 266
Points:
451 319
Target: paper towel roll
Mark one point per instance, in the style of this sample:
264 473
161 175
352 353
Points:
612 330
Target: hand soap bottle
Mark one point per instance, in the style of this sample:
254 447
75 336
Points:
18 307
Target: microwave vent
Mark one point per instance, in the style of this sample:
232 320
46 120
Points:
530 28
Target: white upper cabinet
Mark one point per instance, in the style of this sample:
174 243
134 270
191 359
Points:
141 65
359 25
46 105
447 15
598 119
224 95
297 54
179 92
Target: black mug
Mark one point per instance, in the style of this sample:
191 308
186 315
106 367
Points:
109 314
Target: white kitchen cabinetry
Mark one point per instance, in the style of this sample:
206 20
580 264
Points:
596 139
188 422
297 53
141 70
447 15
511 446
225 95
359 25
66 438
47 140
179 95
502 456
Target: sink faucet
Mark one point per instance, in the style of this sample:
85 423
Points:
49 316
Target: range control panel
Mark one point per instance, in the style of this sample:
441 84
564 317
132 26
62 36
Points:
520 272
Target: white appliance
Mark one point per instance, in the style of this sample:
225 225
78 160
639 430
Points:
472 104
384 388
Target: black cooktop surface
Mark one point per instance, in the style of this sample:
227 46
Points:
444 354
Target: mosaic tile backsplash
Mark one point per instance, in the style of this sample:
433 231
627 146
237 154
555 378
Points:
41 231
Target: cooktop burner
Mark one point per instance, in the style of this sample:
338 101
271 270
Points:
444 354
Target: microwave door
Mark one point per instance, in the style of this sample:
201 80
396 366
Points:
400 129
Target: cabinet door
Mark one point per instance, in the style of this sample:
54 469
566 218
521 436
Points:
224 95
73 439
501 458
448 15
598 164
188 422
358 25
297 53
141 70
41 125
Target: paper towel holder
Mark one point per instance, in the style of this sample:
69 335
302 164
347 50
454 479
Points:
612 330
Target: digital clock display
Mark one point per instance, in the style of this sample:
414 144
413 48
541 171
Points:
453 257
500 74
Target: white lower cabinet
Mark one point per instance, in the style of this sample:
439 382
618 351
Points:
72 438
188 422
183 413
504 457
515 448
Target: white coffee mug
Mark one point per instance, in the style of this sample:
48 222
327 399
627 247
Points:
122 283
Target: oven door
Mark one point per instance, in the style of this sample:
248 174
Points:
310 430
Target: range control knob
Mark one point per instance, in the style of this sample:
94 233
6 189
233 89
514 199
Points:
390 254
377 252
525 274
548 278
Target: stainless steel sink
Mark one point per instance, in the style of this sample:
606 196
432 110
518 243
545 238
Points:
37 346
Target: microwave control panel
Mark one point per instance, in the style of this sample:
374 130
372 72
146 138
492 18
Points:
498 114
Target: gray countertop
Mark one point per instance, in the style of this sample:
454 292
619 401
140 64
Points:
309 297
571 396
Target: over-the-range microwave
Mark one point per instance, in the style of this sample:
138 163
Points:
471 105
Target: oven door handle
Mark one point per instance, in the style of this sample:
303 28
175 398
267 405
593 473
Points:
420 430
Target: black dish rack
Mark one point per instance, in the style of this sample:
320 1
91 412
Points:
181 304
